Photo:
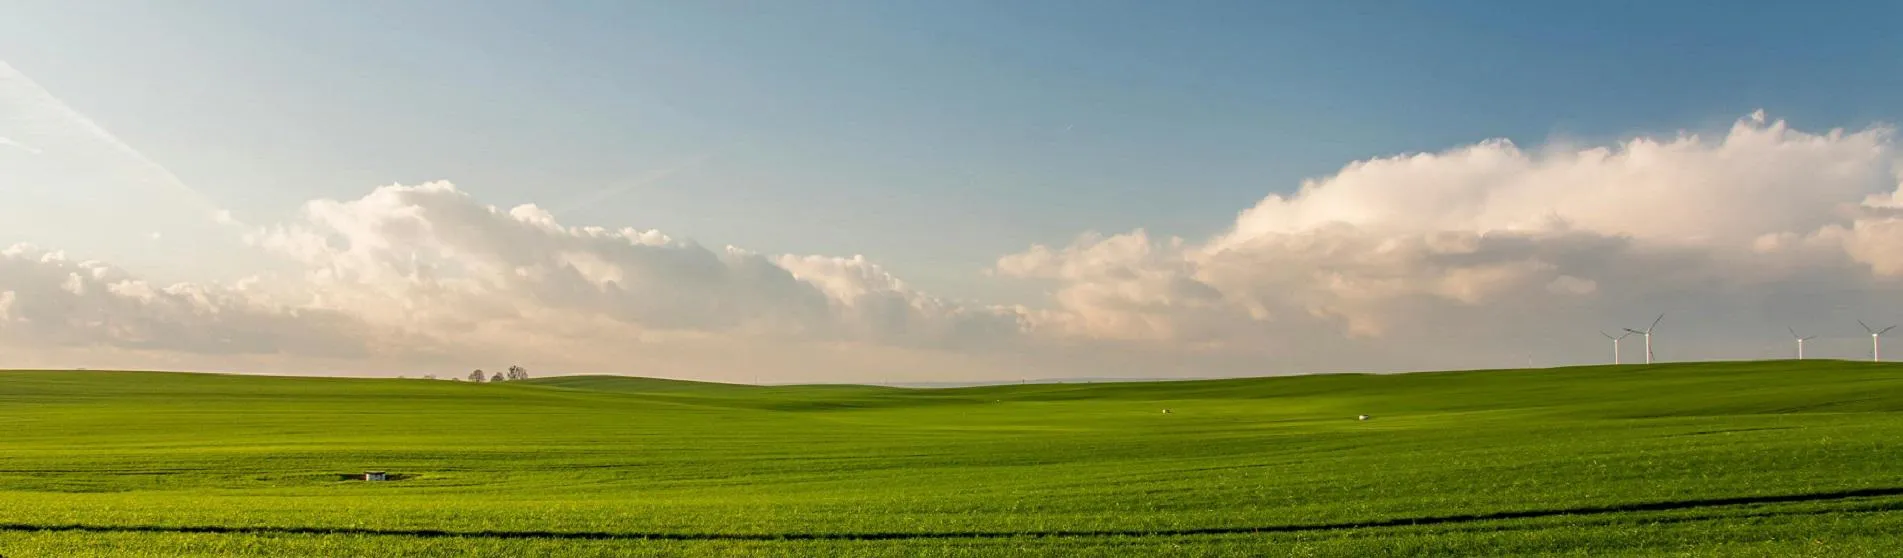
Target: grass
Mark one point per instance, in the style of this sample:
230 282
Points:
1712 459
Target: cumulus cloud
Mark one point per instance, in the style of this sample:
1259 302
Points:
410 272
1480 236
430 258
46 298
1481 255
871 303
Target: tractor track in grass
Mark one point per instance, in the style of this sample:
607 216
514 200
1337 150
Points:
1676 505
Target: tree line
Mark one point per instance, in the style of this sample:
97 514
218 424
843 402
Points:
514 373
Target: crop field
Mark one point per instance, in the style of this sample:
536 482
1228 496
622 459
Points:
1709 459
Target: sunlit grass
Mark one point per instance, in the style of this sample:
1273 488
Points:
1585 461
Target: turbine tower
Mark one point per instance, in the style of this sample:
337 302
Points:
1876 350
1615 345
1648 337
1800 342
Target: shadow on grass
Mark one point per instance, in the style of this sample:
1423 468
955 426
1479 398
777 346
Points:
875 536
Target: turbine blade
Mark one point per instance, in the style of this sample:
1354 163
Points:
1603 332
1866 327
1886 330
1655 323
1793 331
1633 330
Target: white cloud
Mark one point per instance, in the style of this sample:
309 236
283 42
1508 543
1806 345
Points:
1476 256
1397 249
430 259
870 303
54 300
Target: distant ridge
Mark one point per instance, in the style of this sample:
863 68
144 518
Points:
1077 380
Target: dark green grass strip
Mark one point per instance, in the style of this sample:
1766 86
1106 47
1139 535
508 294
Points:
874 536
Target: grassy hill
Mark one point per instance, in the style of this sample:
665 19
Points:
1713 459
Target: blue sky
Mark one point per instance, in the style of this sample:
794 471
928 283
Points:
931 137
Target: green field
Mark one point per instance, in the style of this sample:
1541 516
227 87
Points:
1719 459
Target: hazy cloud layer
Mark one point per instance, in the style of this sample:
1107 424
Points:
48 299
1482 255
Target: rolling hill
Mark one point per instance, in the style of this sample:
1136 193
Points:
1713 459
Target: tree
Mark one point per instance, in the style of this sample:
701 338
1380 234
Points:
429 376
496 378
476 376
518 373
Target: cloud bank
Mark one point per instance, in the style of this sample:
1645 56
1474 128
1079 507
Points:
431 259
1481 255
1470 243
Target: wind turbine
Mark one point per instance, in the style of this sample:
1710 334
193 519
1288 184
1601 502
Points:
1615 345
1876 353
1800 342
1648 337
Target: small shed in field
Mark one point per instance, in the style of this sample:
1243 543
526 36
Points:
375 476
